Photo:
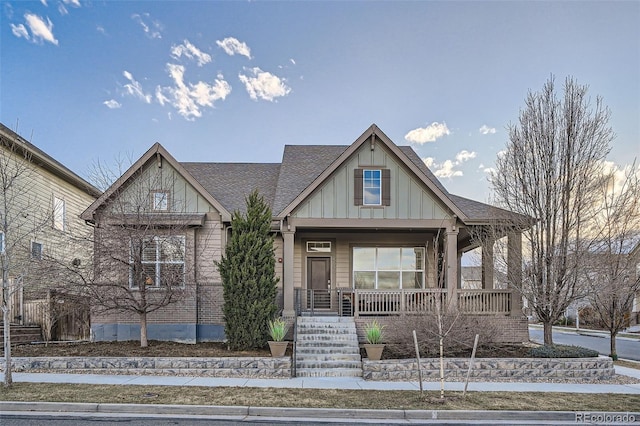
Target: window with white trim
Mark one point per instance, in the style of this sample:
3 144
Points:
318 246
58 213
372 187
388 267
157 262
160 200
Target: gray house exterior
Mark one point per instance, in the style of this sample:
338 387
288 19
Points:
362 230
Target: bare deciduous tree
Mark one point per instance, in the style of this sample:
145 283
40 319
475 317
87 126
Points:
144 245
610 265
23 217
549 171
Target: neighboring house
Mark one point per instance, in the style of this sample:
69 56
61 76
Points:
360 229
617 260
472 278
39 219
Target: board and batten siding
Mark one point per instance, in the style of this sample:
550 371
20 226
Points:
410 198
183 197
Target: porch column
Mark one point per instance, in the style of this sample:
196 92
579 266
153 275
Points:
459 269
514 270
452 264
287 274
487 264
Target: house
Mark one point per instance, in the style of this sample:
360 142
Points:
610 274
472 278
360 230
40 205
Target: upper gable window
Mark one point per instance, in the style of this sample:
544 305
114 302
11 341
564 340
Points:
160 200
372 187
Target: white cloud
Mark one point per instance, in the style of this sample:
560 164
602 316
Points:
134 88
231 46
263 85
447 169
292 61
19 31
188 98
40 30
44 3
63 10
112 104
464 155
619 175
486 130
428 134
190 51
101 30
151 28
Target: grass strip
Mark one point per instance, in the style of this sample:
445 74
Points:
318 398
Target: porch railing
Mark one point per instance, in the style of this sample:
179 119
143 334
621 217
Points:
349 302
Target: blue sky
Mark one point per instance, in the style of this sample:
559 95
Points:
236 81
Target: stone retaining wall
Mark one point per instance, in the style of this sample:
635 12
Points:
251 367
504 368
267 367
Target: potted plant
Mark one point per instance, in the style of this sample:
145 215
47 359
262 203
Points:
374 346
277 330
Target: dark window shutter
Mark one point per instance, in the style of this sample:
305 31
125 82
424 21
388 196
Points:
386 187
357 187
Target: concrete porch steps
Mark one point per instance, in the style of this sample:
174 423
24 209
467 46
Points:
327 347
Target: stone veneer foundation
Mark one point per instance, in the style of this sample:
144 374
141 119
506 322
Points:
503 368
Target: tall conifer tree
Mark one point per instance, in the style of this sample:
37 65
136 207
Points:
248 276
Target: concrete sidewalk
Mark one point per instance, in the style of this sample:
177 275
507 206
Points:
332 383
250 415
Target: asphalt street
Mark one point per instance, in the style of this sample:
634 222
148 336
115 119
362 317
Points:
627 348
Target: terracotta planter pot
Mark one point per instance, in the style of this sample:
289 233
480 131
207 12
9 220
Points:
374 352
277 348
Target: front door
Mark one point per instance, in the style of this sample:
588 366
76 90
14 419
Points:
319 282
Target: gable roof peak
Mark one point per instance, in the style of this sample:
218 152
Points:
159 151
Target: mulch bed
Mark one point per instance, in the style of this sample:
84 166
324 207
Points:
173 349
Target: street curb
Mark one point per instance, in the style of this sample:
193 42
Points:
152 410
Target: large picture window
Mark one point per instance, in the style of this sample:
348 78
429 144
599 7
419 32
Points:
158 262
388 267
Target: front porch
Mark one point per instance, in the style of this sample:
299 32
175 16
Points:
360 302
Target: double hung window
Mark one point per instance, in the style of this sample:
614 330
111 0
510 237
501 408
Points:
158 262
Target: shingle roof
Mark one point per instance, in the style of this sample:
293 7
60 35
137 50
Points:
415 159
478 211
231 183
280 184
41 158
301 165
